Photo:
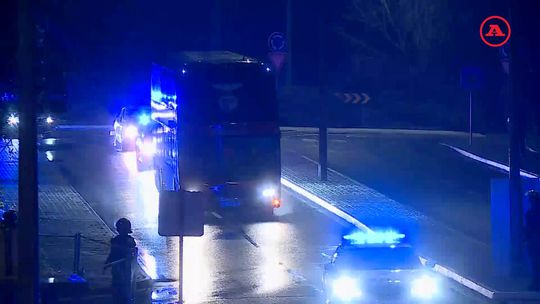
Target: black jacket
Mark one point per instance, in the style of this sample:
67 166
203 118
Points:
122 247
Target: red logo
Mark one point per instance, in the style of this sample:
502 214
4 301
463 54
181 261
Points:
495 31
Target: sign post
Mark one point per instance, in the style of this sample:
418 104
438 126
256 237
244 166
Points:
181 213
277 43
471 79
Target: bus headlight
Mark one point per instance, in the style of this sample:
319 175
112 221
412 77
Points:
424 287
269 192
13 120
131 132
148 148
346 289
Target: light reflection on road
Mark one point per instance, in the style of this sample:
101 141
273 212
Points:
198 282
273 275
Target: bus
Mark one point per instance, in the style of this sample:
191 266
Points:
217 129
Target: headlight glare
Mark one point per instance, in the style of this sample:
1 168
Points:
13 120
148 148
424 287
49 120
131 131
346 289
269 192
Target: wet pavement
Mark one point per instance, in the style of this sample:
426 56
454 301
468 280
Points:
238 260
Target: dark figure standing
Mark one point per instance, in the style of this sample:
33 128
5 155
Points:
123 252
532 237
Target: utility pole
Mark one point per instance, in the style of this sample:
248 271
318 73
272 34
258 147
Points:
514 151
289 41
28 266
323 129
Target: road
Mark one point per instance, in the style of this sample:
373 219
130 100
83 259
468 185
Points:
236 261
414 169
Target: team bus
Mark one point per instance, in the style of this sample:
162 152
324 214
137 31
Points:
218 129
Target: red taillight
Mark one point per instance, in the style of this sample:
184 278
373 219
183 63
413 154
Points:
276 203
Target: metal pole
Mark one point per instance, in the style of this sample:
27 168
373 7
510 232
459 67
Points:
289 41
181 269
28 270
323 130
470 118
76 253
514 155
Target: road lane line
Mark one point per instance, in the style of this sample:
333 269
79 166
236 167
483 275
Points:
216 215
437 267
489 162
326 205
249 239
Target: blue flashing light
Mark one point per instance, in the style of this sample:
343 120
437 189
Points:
375 237
184 71
157 95
144 119
267 69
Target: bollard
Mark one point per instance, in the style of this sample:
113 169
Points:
76 253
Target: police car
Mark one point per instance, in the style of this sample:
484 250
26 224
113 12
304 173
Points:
129 125
376 267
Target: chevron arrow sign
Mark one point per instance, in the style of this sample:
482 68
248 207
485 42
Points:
353 98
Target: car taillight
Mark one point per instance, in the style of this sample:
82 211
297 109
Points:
276 203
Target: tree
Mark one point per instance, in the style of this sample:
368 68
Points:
410 28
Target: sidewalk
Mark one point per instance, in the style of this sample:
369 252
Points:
62 214
456 254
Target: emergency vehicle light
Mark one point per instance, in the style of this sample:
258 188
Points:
144 119
375 237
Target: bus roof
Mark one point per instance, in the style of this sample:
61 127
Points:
208 57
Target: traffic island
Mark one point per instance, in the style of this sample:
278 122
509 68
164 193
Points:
453 254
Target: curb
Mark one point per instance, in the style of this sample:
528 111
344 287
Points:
442 270
381 131
489 162
82 127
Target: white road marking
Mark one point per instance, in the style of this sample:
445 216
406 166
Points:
326 205
489 162
438 268
216 215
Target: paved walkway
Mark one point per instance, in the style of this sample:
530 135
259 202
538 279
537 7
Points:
465 259
62 214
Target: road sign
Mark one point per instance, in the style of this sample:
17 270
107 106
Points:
277 59
353 98
277 42
181 213
471 78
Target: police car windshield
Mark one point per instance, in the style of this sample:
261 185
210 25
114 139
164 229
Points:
377 258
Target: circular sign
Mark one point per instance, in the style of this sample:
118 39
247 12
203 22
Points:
495 31
277 42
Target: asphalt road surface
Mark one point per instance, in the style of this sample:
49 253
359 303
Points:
414 169
238 260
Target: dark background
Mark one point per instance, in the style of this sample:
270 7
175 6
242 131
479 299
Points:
406 55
